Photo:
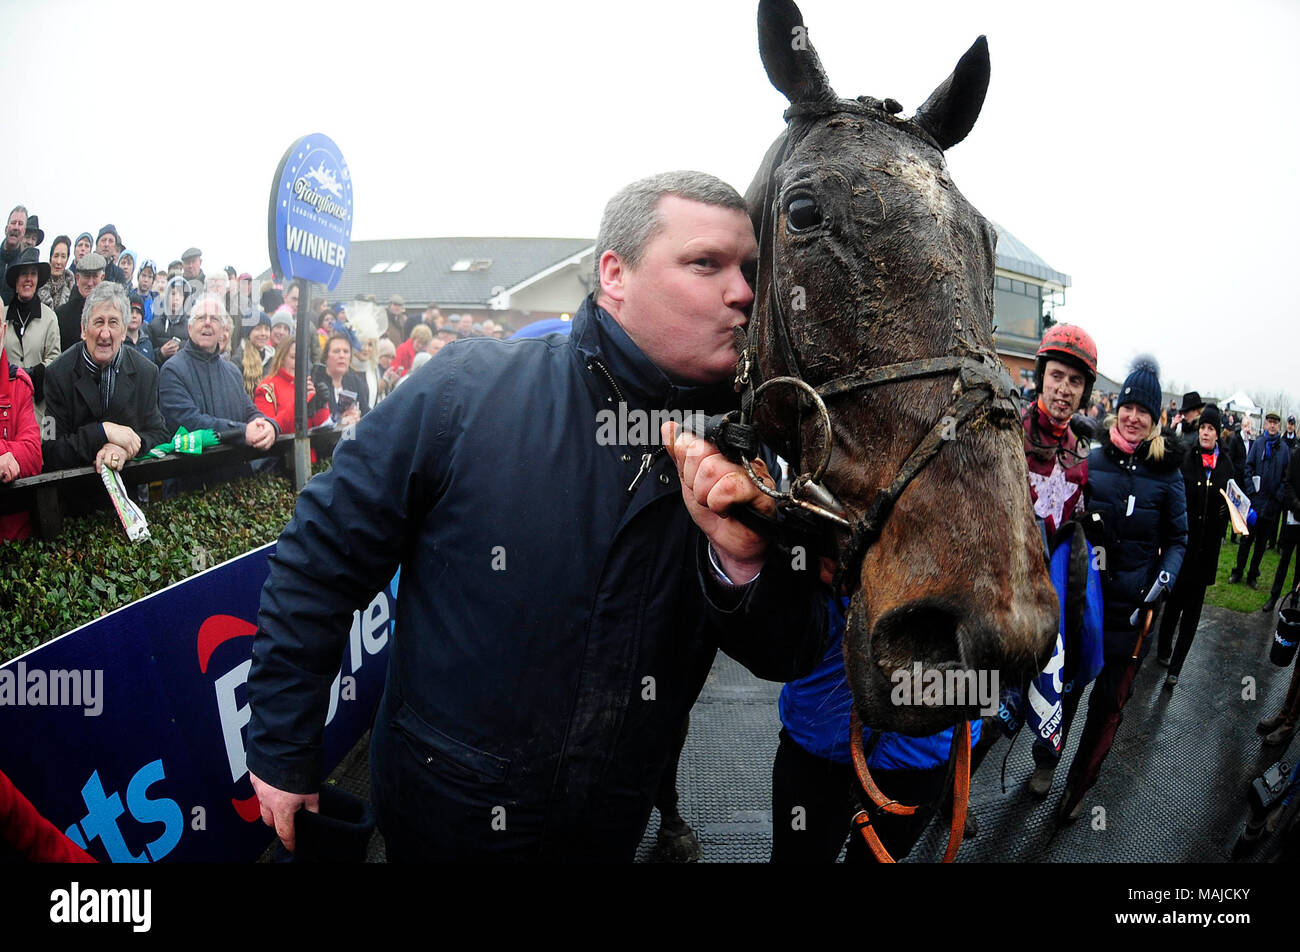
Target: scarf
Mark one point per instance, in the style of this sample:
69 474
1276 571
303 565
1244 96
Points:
1209 460
1121 444
1270 444
105 377
22 312
1045 422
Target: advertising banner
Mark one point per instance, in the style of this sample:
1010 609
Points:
129 733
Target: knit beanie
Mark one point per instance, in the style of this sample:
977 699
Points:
1142 386
1211 415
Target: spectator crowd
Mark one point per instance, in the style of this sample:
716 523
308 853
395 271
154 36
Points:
107 356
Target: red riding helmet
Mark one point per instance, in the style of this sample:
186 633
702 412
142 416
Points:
1071 345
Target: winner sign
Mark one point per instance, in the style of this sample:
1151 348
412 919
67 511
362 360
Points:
311 212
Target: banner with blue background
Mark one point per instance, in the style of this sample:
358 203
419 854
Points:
128 733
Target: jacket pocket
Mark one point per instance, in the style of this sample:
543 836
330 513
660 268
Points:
445 754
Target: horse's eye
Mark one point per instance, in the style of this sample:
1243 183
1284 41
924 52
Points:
802 214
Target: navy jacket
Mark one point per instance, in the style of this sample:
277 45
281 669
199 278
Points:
199 390
553 628
1269 464
1144 511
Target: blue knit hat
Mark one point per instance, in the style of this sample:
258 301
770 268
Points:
1142 386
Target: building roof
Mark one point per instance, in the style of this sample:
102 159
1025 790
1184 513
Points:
451 272
1015 255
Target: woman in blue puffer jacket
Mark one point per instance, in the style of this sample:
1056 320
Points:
1136 485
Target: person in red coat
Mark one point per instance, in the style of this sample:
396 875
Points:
20 437
26 836
405 355
274 395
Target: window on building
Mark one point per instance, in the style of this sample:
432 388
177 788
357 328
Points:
397 266
379 267
1017 308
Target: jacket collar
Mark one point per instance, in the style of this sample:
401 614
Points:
596 335
85 385
198 353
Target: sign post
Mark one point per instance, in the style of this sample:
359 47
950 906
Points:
310 230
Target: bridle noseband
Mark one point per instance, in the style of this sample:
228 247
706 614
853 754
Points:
982 386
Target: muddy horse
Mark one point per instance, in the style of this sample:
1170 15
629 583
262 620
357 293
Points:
869 362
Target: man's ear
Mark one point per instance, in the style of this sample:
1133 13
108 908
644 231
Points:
613 276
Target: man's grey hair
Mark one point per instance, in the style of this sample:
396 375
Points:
17 208
204 298
631 219
107 292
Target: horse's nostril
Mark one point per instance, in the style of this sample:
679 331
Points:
925 633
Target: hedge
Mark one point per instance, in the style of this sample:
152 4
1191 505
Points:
48 588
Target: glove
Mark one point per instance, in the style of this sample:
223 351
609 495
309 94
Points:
1159 589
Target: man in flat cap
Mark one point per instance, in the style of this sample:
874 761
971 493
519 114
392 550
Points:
90 272
1265 468
192 270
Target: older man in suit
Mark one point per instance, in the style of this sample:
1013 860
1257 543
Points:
101 396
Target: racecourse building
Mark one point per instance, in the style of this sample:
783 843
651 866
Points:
516 281
1026 293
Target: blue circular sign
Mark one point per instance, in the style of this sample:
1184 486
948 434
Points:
311 212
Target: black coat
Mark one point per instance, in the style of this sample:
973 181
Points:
70 320
351 381
1236 448
525 686
72 401
162 329
1144 536
1207 515
1291 496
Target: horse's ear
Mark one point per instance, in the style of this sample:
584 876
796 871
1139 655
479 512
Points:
950 112
789 58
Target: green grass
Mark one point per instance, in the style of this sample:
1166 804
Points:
1239 598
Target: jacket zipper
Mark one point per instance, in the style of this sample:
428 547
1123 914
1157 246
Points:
647 459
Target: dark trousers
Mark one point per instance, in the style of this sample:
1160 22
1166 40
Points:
1264 528
1290 535
825 792
1187 600
1110 692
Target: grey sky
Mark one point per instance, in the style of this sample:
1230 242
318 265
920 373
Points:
1146 149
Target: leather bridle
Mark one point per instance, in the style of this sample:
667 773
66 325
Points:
982 388
982 385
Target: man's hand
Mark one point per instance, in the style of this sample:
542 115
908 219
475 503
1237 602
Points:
711 484
170 348
259 434
123 436
8 468
111 455
279 806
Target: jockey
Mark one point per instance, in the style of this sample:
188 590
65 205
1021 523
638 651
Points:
1065 371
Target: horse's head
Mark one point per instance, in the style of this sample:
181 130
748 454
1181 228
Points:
875 284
